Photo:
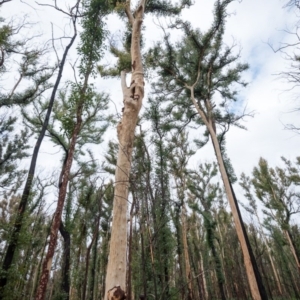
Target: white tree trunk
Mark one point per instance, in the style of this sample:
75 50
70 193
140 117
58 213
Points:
133 96
247 260
210 124
188 273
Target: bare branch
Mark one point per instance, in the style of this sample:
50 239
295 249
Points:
69 14
4 1
128 12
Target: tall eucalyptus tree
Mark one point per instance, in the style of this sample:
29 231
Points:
132 99
199 73
82 107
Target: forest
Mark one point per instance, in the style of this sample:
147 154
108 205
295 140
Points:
123 174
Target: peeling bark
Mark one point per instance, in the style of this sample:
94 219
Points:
133 96
41 292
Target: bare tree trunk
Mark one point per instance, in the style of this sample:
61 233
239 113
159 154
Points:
92 288
88 252
129 269
292 247
254 285
269 254
41 292
65 280
203 277
133 96
188 273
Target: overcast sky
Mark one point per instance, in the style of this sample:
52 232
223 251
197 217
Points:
253 24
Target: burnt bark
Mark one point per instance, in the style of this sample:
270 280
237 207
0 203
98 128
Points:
65 173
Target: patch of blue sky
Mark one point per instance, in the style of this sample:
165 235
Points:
237 107
256 58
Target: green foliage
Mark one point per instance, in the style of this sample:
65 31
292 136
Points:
275 188
13 148
202 198
31 237
203 61
31 68
123 55
65 117
92 37
123 63
166 7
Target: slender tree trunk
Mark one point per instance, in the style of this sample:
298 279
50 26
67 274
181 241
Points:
133 96
188 273
129 269
218 269
75 287
256 286
292 247
179 239
152 262
41 292
143 261
65 281
204 284
270 256
201 269
88 252
93 268
38 270
9 255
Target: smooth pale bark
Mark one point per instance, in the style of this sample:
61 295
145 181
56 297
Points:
201 269
292 247
247 260
188 272
208 120
129 269
133 96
